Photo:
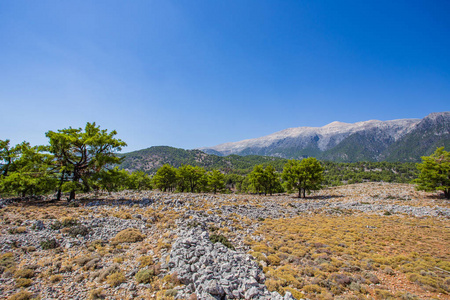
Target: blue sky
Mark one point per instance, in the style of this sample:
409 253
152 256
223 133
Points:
198 73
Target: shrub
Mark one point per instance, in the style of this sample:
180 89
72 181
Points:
17 230
66 222
144 276
383 294
296 294
6 260
96 294
22 295
78 230
23 282
56 278
274 260
145 261
24 273
312 288
115 278
130 235
108 271
49 244
222 239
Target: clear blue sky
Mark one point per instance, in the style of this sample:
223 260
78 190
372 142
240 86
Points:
198 73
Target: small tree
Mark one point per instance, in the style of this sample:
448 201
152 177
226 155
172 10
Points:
8 155
264 180
257 179
29 172
272 183
194 177
139 180
165 178
435 172
112 180
80 154
303 176
216 181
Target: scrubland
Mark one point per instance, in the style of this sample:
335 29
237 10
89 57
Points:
362 241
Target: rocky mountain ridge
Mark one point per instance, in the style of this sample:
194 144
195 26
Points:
374 140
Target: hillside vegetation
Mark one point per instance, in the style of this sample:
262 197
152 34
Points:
151 159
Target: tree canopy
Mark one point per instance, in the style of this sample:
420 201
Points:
80 154
303 176
435 172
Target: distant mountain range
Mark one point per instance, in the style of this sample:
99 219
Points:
404 140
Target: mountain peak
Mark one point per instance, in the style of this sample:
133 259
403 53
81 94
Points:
365 140
336 124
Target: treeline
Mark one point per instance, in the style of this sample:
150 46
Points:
300 176
83 160
348 173
151 159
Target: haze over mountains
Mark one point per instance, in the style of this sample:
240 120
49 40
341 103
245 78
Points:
395 140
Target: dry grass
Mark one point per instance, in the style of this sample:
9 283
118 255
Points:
321 255
130 235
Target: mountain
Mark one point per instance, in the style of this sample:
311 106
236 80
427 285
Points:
395 140
150 159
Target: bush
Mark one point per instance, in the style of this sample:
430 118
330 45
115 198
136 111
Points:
144 276
49 244
17 230
145 261
115 278
22 295
23 282
130 235
64 223
24 273
108 271
96 294
6 260
78 230
222 239
273 260
56 278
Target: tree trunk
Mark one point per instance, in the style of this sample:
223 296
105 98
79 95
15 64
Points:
61 181
447 193
300 193
304 193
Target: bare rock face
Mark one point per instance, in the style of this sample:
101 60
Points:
398 140
324 138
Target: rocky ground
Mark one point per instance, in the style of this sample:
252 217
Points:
363 241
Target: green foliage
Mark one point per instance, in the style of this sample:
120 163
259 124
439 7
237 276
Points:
221 239
343 173
216 181
112 180
81 154
49 244
192 177
264 180
7 156
26 170
165 178
138 180
144 276
303 176
151 159
234 167
435 172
